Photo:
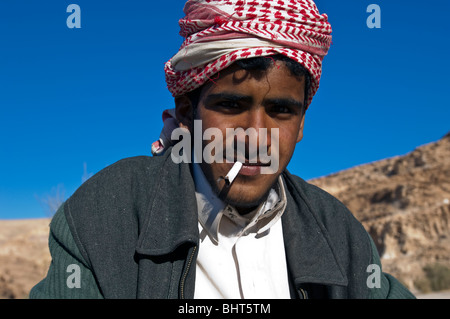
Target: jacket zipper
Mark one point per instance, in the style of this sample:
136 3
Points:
188 266
303 293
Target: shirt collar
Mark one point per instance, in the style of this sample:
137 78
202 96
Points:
211 209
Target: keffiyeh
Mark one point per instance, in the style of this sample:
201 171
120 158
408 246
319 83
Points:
219 32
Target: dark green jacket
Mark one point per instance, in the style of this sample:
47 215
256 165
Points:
131 230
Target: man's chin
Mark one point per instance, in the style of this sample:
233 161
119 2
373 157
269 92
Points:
243 198
245 203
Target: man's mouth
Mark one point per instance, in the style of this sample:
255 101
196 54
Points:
251 169
247 162
256 164
246 168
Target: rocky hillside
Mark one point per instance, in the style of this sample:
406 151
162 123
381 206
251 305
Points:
404 203
24 255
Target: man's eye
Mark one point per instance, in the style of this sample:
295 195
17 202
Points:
281 109
228 104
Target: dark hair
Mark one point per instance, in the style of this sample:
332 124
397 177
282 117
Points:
263 64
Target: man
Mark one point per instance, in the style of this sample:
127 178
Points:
161 227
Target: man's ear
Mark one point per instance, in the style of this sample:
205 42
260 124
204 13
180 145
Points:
300 132
184 112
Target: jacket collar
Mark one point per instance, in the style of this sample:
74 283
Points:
310 254
170 218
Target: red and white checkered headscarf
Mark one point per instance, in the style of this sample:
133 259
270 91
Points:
219 32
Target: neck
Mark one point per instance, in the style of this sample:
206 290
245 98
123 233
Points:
245 210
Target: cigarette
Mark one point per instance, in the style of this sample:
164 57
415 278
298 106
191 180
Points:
232 174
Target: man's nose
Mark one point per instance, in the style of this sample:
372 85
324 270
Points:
257 120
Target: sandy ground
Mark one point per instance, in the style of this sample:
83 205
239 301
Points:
435 295
24 255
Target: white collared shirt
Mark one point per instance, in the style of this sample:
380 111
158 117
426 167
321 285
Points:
240 256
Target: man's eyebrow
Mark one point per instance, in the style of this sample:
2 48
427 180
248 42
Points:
285 102
228 96
239 97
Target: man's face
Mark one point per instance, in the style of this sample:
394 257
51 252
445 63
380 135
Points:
252 99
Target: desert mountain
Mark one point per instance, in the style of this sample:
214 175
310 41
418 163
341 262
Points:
404 203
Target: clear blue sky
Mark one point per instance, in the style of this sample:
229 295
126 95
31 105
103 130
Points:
94 95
